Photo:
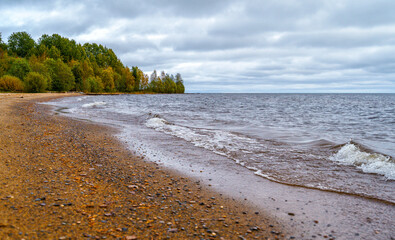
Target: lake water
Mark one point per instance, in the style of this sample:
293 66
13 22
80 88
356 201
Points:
332 142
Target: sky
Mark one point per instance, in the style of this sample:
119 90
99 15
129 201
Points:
249 46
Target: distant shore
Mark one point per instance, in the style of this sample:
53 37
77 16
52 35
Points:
68 179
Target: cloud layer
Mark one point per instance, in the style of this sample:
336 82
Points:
232 46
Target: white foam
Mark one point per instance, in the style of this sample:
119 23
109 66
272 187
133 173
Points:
261 174
220 142
94 104
350 154
156 123
80 99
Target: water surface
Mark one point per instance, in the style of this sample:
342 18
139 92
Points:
334 142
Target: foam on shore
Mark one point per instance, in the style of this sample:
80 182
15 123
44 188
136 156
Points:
350 154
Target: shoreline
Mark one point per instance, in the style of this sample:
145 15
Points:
309 213
67 179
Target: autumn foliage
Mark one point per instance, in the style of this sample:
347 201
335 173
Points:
56 63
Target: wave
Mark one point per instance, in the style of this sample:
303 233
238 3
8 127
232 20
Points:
80 99
94 104
351 154
221 142
269 159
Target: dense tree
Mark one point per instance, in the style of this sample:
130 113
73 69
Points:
3 51
95 84
68 49
154 76
57 63
138 75
61 75
119 82
19 68
35 82
41 51
3 46
180 83
54 53
21 44
107 78
155 83
5 64
36 65
77 72
169 85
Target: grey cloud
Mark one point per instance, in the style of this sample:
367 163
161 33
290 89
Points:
232 45
363 13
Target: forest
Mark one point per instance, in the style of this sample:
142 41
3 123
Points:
56 63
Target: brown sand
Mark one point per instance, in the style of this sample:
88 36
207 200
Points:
68 179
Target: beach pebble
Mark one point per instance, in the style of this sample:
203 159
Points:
133 237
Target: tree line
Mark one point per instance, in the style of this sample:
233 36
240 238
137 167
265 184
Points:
56 63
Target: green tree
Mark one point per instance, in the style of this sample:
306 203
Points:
35 82
153 85
41 51
66 65
169 85
37 66
103 56
138 75
54 53
5 64
87 70
119 82
77 72
61 75
10 83
19 68
69 50
179 84
21 44
96 84
128 79
107 77
3 46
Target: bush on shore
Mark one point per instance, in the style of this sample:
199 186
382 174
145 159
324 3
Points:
11 83
35 82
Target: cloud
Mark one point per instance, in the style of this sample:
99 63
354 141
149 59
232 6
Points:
232 45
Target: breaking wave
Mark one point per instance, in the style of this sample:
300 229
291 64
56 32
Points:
94 104
221 142
351 154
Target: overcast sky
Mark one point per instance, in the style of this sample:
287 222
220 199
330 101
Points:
231 46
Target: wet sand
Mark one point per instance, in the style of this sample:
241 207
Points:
307 213
69 179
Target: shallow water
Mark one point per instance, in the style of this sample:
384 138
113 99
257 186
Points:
334 142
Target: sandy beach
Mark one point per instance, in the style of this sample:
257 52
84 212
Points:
68 179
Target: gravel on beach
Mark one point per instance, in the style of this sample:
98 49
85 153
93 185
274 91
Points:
68 179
